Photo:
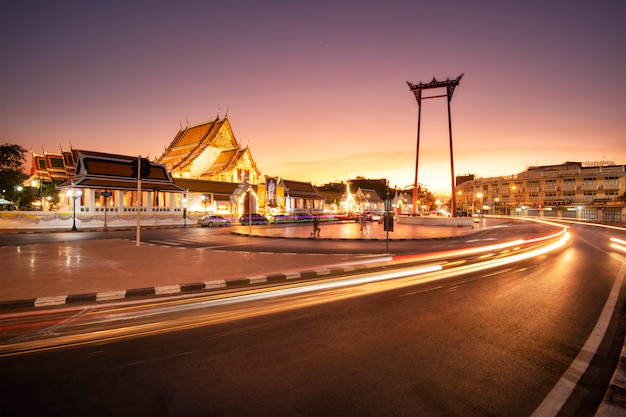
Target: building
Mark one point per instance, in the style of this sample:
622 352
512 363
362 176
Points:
108 182
591 191
209 151
283 196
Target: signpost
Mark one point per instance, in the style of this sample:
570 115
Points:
141 169
106 194
388 219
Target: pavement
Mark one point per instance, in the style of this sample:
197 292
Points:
65 273
47 274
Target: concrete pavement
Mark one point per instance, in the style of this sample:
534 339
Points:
108 269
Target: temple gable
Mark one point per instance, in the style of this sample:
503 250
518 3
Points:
209 151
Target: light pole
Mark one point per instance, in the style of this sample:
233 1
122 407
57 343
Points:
204 198
38 183
18 188
74 194
250 211
480 196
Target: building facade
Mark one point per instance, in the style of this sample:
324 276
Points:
584 191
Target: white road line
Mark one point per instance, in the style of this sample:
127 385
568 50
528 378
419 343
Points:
166 242
553 403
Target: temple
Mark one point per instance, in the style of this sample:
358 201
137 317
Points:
203 170
209 151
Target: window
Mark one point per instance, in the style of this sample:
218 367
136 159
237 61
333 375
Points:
589 181
611 181
611 216
589 215
589 196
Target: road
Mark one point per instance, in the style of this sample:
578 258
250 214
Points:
485 343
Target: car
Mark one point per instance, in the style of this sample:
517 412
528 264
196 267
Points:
211 220
282 218
253 218
304 217
367 214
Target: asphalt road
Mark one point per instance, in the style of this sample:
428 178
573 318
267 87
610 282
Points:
487 343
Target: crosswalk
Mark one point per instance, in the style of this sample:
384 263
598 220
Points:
197 242
201 242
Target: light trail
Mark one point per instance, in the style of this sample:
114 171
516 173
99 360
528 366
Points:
618 244
186 314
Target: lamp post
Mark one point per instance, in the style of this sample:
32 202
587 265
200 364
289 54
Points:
250 211
74 194
38 183
19 188
204 198
480 196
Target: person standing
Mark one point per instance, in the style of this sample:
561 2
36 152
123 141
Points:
316 226
363 222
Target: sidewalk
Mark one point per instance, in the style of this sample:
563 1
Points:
107 269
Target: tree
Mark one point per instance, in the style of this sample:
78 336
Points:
12 157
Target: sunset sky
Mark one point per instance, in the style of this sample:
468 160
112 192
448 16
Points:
317 89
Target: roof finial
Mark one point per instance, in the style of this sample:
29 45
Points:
187 118
219 109
227 108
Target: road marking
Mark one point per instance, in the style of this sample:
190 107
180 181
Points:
165 242
553 403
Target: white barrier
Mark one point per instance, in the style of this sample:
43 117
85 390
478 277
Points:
65 220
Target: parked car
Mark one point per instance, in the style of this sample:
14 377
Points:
212 220
282 218
254 218
303 217
367 214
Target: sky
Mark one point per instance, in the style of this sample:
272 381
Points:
318 89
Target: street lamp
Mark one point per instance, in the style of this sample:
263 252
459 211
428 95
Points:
19 188
74 194
480 196
204 199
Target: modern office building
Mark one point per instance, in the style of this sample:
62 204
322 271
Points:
589 191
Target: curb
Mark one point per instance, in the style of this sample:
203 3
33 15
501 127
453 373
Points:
200 286
614 402
358 239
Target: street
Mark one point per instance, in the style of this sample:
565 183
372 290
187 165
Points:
492 342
